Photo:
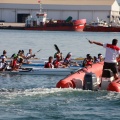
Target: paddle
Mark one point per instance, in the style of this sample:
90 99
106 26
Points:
56 48
38 51
87 38
34 54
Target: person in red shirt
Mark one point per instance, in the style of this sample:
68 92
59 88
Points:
49 64
89 61
57 62
14 63
112 52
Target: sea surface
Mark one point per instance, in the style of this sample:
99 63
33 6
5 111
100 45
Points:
35 97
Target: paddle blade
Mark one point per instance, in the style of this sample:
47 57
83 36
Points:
39 50
56 47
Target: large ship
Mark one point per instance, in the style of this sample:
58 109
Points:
102 26
41 22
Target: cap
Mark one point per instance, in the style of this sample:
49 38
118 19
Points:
99 54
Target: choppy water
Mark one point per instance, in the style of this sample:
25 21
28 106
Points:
25 97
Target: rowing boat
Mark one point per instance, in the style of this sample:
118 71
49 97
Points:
37 61
41 65
41 71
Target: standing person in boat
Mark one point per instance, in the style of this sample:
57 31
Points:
112 51
49 64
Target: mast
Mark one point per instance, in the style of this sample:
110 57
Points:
39 1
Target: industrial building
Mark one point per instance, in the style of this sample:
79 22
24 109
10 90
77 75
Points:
18 10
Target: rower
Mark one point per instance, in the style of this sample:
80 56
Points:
49 64
3 64
68 62
89 61
4 54
67 59
85 60
57 62
14 63
100 57
30 55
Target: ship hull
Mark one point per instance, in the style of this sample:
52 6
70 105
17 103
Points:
101 29
77 25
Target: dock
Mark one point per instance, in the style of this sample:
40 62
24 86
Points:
14 26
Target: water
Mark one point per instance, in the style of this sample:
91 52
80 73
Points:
25 97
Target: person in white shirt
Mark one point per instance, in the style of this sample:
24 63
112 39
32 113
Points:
100 57
112 52
29 55
3 64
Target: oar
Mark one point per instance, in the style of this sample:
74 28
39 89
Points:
38 51
87 39
56 48
34 54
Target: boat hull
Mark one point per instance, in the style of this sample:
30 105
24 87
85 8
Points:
76 80
77 25
101 29
41 71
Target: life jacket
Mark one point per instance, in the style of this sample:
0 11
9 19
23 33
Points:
13 63
56 63
88 62
48 65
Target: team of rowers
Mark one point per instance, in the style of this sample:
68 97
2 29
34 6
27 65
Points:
61 62
53 62
17 60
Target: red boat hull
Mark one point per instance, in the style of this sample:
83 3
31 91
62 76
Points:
72 80
76 80
101 29
77 25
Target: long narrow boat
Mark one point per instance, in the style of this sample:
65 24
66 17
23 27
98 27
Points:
41 65
91 78
42 62
41 71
